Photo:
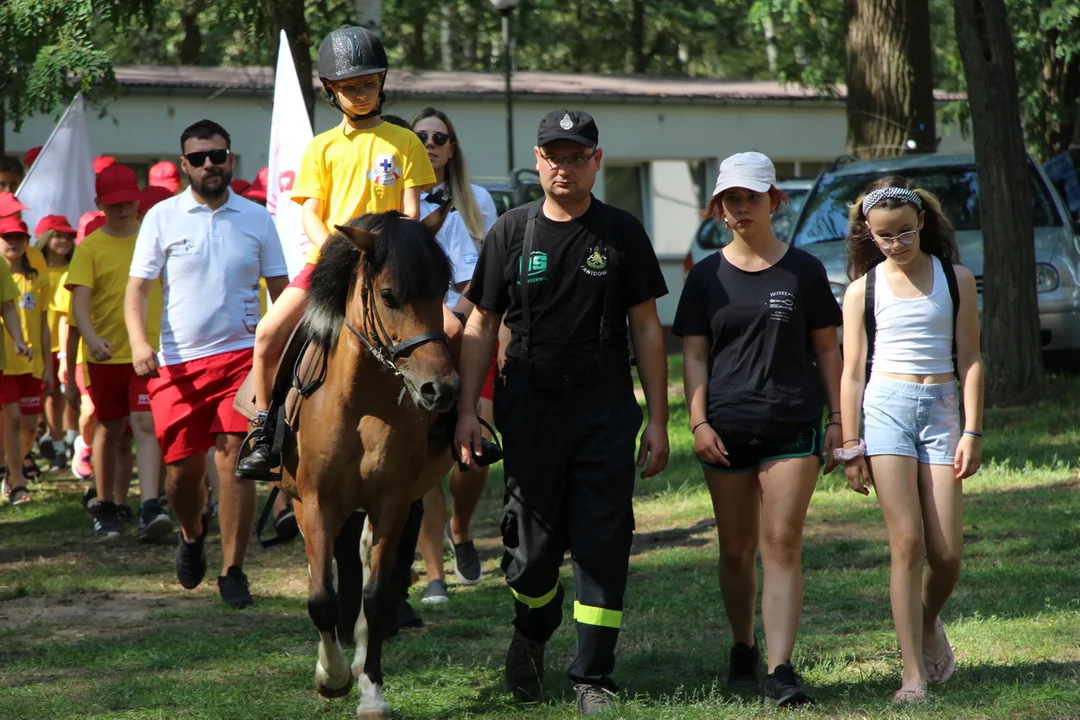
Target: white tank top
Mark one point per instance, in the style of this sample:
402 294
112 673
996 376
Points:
914 335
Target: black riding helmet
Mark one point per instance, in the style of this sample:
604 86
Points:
350 52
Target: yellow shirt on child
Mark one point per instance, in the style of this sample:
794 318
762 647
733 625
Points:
8 291
58 304
32 304
355 172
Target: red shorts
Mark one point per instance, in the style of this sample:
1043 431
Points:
23 389
302 278
192 403
488 391
117 391
80 379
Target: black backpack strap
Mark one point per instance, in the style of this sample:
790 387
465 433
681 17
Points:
954 293
869 319
523 277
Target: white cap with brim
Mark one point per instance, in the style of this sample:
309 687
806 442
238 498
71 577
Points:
750 170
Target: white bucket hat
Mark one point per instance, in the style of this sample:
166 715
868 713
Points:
750 170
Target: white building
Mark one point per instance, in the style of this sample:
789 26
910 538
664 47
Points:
662 137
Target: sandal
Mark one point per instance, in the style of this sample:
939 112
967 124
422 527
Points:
908 695
940 670
19 495
30 469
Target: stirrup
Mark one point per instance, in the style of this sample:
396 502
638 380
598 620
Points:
266 430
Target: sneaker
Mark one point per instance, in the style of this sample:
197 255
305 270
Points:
406 616
106 525
593 699
744 666
82 464
466 560
524 671
285 525
123 513
191 558
59 462
154 522
234 588
435 593
91 493
784 689
45 446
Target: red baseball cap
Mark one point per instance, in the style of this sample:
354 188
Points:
31 156
239 186
117 184
11 224
10 205
103 161
165 175
88 223
59 223
151 196
257 191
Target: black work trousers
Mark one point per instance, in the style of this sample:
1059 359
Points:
569 443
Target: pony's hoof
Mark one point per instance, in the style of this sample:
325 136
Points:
323 684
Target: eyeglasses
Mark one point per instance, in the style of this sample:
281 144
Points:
358 89
217 157
904 238
439 138
573 161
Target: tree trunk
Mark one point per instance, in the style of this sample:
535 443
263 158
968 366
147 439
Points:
637 37
288 15
446 35
191 45
1061 86
1011 341
772 53
369 15
890 82
416 49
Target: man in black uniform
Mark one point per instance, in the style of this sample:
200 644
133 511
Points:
567 410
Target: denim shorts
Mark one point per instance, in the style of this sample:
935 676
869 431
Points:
913 420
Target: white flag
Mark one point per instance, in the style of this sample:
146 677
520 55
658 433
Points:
61 180
290 133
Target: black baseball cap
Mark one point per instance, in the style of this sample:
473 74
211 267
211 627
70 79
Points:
574 125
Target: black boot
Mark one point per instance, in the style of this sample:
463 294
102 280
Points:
257 465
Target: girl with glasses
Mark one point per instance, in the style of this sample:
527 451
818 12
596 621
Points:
911 352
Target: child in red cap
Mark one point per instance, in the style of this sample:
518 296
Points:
165 175
13 483
97 279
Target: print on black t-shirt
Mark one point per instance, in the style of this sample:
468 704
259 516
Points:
762 373
567 278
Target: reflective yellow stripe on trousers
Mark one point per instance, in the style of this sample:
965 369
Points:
589 615
532 602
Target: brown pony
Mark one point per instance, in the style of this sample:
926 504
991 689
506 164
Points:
375 306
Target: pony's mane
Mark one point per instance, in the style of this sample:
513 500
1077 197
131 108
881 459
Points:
418 268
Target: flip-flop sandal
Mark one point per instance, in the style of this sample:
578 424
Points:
910 695
30 469
19 495
940 670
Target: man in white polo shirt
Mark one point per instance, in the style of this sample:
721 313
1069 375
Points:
210 247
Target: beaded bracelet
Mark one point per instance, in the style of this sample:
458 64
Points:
973 434
835 413
833 422
695 427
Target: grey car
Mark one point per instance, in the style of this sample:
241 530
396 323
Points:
821 229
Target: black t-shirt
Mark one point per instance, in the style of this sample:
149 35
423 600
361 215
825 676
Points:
763 377
568 276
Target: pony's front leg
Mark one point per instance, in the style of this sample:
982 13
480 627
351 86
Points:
360 631
332 676
378 604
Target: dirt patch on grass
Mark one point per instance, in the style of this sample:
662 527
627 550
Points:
100 610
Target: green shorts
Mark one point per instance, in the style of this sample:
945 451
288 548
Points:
748 452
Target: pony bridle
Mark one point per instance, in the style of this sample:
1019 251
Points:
382 347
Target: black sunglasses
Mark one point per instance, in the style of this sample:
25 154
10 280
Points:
438 138
217 157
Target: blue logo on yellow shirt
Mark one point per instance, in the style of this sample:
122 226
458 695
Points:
385 171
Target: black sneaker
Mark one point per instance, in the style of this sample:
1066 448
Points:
106 525
406 616
744 666
191 558
154 522
466 560
123 513
234 588
524 671
285 525
59 462
593 699
91 493
784 689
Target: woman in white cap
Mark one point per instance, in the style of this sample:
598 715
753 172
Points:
758 322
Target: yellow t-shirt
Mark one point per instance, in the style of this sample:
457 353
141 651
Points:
102 264
36 259
32 301
8 291
355 172
58 304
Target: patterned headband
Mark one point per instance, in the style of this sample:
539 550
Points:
874 198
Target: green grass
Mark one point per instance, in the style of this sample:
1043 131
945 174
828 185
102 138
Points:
104 631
